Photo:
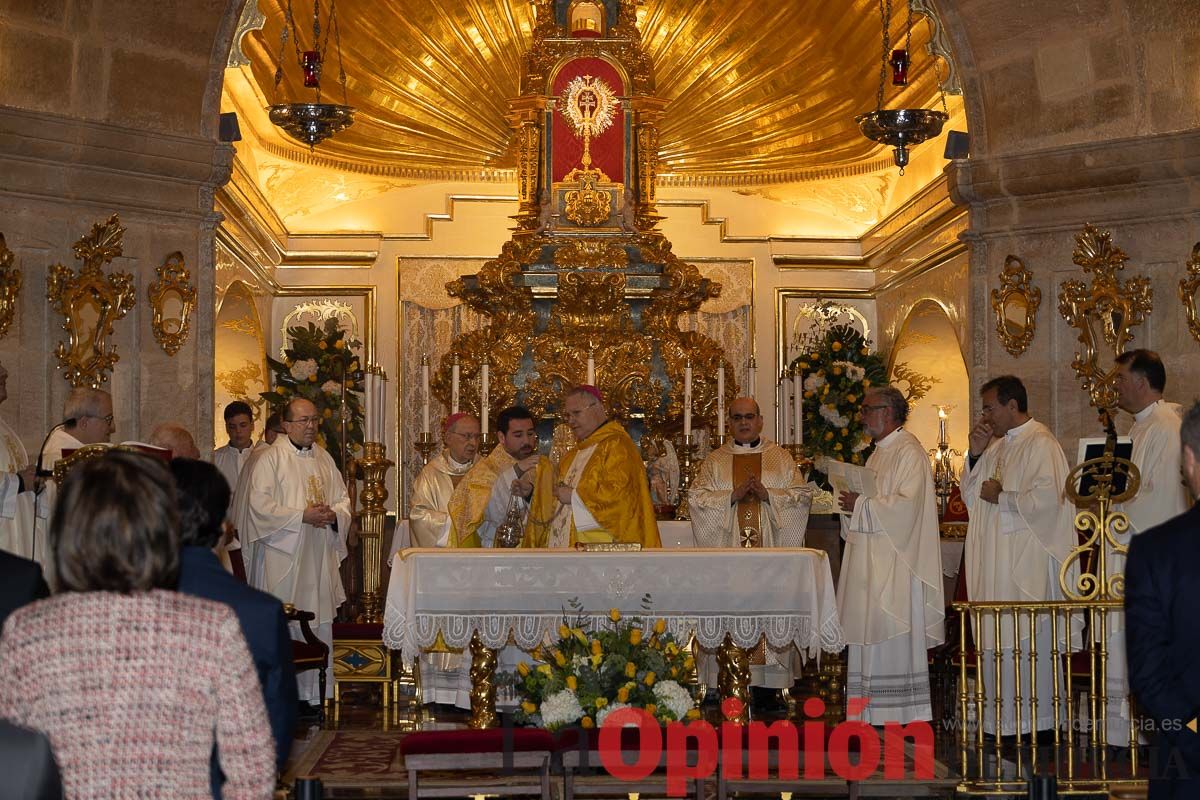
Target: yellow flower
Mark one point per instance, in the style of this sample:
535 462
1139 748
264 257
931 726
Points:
651 708
837 370
866 382
844 431
529 707
321 346
586 722
649 679
559 658
836 346
339 344
563 631
523 668
312 378
614 614
693 713
828 435
327 413
623 694
596 660
635 636
630 669
544 669
597 648
851 398
808 394
672 649
660 627
865 351
689 662
804 365
354 366
674 672
578 634
572 684
601 702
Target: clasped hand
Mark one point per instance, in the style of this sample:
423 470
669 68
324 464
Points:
319 515
990 491
752 485
846 500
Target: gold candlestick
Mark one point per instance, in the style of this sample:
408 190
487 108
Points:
425 445
374 466
682 512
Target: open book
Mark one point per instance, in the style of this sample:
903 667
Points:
845 477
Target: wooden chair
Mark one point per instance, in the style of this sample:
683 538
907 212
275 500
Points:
311 652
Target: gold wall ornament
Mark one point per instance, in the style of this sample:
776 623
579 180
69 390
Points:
587 205
172 299
1015 305
1104 314
90 303
10 287
1187 292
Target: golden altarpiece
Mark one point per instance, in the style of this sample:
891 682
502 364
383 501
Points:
585 274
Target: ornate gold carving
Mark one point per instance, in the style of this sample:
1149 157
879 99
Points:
1015 304
591 254
588 205
1104 314
10 287
374 466
483 685
172 298
733 671
1187 292
90 303
319 311
235 381
246 326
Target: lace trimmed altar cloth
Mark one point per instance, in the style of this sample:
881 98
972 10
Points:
784 594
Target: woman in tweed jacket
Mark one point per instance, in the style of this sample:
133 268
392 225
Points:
131 682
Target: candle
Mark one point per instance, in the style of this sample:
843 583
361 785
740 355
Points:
780 405
425 394
381 419
483 400
721 400
591 378
368 402
941 424
687 400
751 377
798 404
454 386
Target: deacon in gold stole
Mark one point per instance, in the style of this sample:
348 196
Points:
429 519
481 501
601 494
750 494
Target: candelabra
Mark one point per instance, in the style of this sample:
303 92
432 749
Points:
425 445
374 466
943 457
685 451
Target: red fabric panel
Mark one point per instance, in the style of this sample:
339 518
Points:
303 651
608 149
354 630
491 740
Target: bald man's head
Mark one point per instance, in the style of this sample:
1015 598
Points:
745 420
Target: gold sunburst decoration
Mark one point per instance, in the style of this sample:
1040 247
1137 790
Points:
589 104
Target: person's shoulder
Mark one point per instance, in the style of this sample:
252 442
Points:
16 568
1178 533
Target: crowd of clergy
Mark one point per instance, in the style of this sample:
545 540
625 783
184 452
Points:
288 516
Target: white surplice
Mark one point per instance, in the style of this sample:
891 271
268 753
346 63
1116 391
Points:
782 522
890 595
1161 495
52 451
298 563
1014 551
16 508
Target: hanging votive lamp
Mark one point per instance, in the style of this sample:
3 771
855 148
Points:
312 122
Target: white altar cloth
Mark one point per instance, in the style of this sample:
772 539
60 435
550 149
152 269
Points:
786 594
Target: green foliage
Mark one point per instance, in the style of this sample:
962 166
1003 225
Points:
314 368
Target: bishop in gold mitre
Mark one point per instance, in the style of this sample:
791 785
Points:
601 494
510 473
429 519
748 492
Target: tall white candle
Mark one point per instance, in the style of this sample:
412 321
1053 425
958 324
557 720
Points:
381 420
483 399
798 404
591 372
780 405
721 400
751 378
454 386
425 394
368 404
687 399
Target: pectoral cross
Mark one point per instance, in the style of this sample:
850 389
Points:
316 491
587 103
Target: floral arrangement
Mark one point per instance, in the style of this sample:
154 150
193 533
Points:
316 363
587 674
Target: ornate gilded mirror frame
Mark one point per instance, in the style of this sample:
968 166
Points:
172 287
1015 291
1187 292
90 303
1104 314
10 287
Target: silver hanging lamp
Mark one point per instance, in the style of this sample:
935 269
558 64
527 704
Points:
314 122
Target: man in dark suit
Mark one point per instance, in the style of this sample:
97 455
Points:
1162 639
21 583
203 497
27 764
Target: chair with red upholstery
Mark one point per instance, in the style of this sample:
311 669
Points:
310 652
477 753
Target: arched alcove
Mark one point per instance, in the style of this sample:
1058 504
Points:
927 344
239 356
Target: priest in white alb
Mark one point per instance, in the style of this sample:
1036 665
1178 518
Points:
1021 531
890 595
749 493
429 517
1161 495
16 487
298 518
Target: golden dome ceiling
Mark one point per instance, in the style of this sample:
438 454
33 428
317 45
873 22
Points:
766 89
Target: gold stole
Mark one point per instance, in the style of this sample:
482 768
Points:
749 508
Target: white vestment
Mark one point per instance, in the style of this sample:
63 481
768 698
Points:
781 522
52 452
16 508
428 519
230 461
298 563
890 594
429 524
1160 496
1014 551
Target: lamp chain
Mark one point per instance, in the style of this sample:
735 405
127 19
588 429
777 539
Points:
885 20
337 41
